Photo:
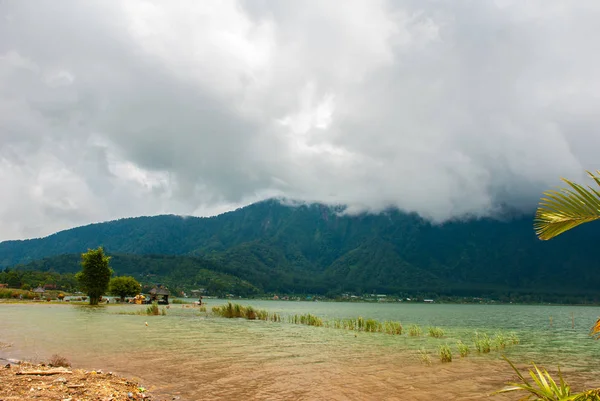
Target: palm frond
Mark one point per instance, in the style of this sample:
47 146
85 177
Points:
564 209
544 387
595 331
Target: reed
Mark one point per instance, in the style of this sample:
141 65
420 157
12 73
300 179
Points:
463 349
499 341
513 338
239 311
153 310
414 330
424 357
394 328
436 332
307 319
445 353
483 343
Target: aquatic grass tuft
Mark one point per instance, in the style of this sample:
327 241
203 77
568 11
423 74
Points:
499 341
445 353
307 319
414 330
436 332
483 343
153 310
394 328
367 325
513 338
424 357
463 349
239 311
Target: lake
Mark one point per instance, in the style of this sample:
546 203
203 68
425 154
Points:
199 356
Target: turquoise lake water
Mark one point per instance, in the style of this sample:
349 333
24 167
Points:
200 348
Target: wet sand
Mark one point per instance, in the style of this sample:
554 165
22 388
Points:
398 377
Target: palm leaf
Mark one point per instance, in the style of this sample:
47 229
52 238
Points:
595 331
544 387
564 209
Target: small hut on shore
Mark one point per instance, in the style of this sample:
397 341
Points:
160 295
39 291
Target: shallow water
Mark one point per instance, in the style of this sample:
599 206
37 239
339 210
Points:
198 356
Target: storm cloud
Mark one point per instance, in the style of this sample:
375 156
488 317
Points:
112 109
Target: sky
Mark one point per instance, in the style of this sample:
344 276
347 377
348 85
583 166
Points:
112 109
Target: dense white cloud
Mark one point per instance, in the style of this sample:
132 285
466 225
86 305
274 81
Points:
112 109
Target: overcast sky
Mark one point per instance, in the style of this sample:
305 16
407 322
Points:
112 109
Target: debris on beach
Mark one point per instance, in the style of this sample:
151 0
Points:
27 381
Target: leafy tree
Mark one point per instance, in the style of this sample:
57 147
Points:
124 286
95 274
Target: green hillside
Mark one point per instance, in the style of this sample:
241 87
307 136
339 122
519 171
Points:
315 249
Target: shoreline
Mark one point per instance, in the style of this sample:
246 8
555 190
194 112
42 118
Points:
23 380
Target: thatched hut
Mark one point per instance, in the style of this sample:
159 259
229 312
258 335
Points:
160 295
39 290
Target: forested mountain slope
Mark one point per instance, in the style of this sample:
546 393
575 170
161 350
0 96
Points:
317 249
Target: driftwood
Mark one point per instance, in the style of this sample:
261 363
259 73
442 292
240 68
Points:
45 372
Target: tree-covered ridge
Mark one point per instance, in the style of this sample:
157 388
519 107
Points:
315 249
180 273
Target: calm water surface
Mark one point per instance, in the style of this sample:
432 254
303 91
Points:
200 356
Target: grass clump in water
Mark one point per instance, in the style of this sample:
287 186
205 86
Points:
424 357
367 325
394 328
153 310
499 341
445 353
483 343
307 319
463 349
247 312
414 330
436 332
513 339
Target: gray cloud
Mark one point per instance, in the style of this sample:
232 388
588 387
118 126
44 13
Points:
113 109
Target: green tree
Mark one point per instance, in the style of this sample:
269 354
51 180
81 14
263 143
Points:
95 274
124 286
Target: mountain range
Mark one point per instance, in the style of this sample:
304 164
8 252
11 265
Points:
274 247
